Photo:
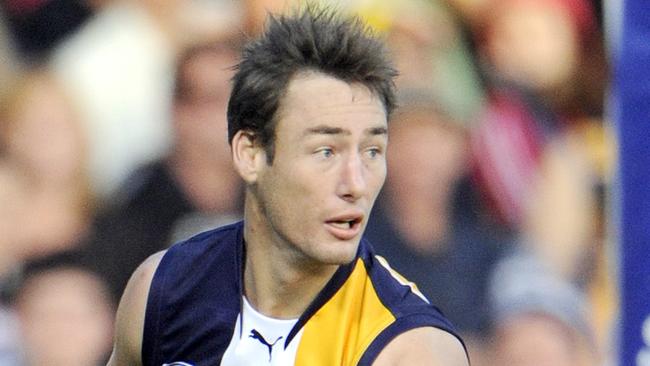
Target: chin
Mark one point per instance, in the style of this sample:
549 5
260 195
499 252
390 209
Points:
342 253
339 261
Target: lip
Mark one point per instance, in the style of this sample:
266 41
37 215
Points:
343 233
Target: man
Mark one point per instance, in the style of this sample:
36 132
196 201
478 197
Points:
294 283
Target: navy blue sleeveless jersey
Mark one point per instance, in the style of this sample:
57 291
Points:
195 300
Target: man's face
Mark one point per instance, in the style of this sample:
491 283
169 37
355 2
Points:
328 167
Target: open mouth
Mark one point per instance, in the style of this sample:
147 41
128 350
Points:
345 228
345 224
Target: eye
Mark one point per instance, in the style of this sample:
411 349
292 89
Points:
373 152
325 152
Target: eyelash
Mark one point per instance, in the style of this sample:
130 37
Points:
374 152
325 152
328 152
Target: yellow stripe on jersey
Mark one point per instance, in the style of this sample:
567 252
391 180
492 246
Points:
340 331
401 278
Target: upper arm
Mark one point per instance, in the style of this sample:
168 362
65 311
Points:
423 346
129 323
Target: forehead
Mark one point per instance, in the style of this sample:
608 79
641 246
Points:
316 99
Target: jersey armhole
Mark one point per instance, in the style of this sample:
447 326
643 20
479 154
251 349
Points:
398 327
150 336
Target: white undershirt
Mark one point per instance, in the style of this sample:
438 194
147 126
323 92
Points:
260 340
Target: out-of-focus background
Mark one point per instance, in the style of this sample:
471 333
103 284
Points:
501 164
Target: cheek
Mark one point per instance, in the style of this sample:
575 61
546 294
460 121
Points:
378 179
288 195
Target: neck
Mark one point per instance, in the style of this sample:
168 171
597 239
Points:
278 282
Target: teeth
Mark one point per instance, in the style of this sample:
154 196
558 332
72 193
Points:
342 224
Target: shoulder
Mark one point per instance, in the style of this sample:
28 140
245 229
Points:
202 248
423 346
398 294
419 332
131 313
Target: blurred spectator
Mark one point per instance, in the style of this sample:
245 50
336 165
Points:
532 53
65 314
428 221
539 45
119 66
559 222
41 132
45 200
13 211
551 48
13 251
507 145
193 188
8 59
562 233
540 319
533 149
10 346
38 26
565 221
430 51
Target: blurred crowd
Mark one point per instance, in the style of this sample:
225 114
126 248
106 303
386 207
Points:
113 146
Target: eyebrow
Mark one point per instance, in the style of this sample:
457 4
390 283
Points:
328 130
374 131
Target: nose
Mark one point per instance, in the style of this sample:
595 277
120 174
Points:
352 184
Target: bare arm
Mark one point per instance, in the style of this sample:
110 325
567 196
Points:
423 346
129 323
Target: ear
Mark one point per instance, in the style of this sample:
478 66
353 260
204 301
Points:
248 156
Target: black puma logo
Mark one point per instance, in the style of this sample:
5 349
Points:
256 335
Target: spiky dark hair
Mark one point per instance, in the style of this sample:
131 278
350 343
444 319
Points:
315 39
